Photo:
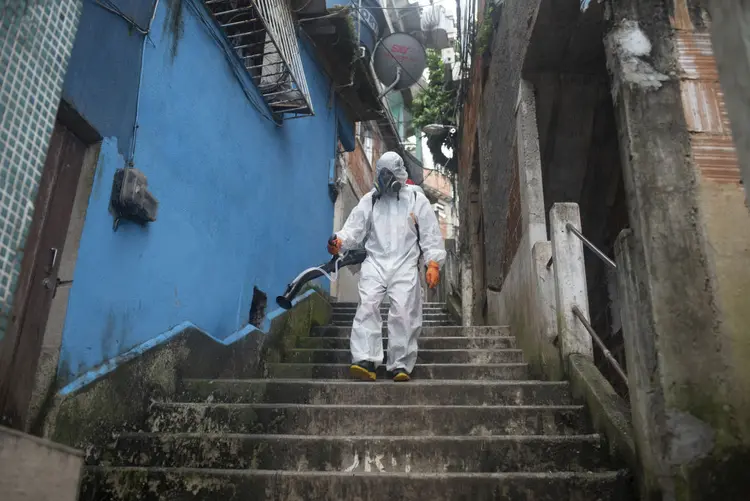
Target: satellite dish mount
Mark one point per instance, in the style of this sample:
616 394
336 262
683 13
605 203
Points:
398 60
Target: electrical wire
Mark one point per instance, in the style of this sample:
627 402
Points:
339 13
108 5
303 7
384 114
416 80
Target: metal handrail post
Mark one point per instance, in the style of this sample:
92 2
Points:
607 354
591 246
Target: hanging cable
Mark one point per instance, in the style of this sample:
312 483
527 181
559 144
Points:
303 7
108 5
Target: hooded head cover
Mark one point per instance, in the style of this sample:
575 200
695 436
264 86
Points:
391 173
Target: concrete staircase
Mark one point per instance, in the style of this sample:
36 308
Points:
469 427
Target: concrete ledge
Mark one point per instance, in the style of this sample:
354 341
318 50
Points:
34 469
453 306
118 394
609 412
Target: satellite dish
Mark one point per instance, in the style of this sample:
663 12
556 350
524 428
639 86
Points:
399 60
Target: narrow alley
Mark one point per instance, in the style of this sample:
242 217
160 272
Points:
308 250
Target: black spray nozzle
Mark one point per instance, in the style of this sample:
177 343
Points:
351 258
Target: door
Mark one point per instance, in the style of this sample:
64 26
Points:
21 346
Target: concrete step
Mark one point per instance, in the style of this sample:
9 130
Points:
427 343
425 392
158 484
379 420
349 316
429 322
510 371
358 454
424 356
384 313
425 323
384 306
427 331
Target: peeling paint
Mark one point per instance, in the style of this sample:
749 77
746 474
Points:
691 438
354 465
629 45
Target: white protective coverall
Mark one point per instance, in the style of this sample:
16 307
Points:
391 267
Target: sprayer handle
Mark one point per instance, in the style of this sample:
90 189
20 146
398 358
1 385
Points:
334 245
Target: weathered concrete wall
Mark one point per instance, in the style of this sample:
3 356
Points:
609 413
526 301
345 288
497 127
116 397
570 281
471 235
731 40
724 216
33 469
527 304
686 324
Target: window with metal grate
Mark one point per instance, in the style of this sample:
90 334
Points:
263 35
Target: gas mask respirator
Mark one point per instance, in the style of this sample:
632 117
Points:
388 183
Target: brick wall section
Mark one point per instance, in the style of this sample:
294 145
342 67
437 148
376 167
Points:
438 182
359 169
470 118
703 101
359 166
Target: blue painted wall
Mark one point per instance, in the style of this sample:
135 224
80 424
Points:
102 78
243 202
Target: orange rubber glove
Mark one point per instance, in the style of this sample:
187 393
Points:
433 274
334 245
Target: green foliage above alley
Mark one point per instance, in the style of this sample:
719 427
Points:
437 103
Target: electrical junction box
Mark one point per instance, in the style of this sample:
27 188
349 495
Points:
131 199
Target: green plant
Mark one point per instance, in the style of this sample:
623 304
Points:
436 105
484 36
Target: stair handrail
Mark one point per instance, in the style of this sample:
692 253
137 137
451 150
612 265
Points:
601 255
607 354
571 289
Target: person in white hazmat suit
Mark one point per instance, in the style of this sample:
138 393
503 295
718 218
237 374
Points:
397 225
